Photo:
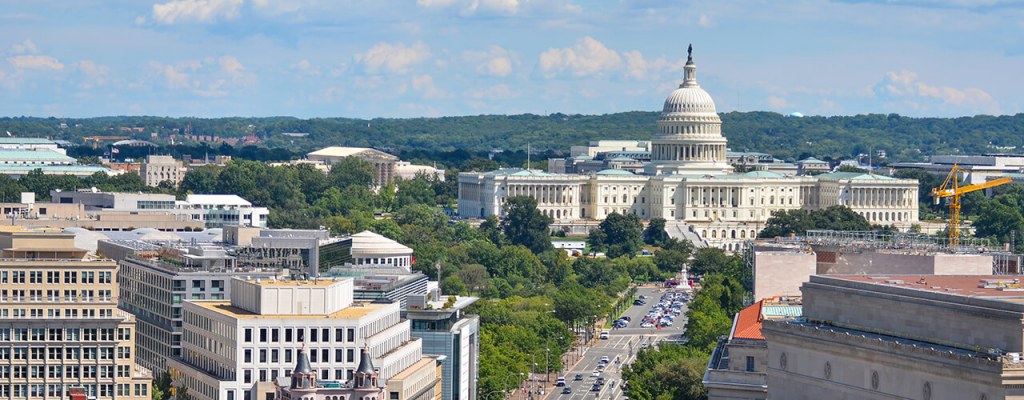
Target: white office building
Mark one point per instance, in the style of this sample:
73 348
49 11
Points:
232 350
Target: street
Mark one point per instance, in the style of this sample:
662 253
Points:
622 344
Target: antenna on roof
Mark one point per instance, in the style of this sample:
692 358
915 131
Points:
527 156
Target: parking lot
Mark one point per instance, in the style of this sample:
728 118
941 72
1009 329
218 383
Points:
622 345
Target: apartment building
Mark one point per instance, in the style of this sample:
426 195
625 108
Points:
60 328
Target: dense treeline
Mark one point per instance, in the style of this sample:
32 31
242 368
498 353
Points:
903 138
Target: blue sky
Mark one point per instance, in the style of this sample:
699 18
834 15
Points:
384 58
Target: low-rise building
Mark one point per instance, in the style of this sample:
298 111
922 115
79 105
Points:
738 366
212 210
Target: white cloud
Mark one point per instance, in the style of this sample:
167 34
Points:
502 7
93 74
201 11
26 47
24 62
636 66
425 85
497 92
906 86
777 103
305 68
231 66
705 21
175 77
393 57
496 61
588 57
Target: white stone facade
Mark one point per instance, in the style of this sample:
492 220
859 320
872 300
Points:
689 180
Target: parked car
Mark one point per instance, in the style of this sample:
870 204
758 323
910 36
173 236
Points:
560 382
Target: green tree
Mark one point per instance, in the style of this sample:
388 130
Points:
475 277
618 235
352 171
655 233
200 180
525 225
999 221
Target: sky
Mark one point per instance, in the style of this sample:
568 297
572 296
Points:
433 58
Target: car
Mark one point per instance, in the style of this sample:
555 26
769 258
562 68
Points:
639 302
625 318
595 374
605 359
604 334
560 382
579 377
600 380
600 367
644 345
595 388
647 324
567 390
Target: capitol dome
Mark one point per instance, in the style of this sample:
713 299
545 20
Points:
689 137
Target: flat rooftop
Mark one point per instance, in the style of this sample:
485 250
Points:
295 283
998 287
355 311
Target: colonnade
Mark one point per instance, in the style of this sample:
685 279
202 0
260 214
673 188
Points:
689 152
880 198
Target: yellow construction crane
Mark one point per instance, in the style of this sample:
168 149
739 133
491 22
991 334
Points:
951 188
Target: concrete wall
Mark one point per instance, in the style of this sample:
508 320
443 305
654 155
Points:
821 364
916 314
852 261
781 273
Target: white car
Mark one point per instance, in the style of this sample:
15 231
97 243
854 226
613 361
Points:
595 374
646 325
605 359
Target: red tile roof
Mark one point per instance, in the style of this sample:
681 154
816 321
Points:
748 323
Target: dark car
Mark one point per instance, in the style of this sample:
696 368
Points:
578 377
639 302
595 388
600 380
567 390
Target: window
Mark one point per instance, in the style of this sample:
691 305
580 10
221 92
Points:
263 335
339 335
750 364
248 335
288 335
351 335
248 355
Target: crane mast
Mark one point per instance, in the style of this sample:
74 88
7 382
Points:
951 189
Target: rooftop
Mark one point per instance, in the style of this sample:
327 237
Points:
293 283
355 311
748 320
855 175
339 151
1006 288
218 199
21 140
33 155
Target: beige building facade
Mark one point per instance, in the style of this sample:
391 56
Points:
60 328
901 337
156 169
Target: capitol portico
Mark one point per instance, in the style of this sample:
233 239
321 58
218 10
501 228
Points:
689 181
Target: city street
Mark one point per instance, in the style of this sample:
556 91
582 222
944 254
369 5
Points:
622 344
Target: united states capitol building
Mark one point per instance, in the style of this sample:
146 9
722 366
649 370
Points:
689 182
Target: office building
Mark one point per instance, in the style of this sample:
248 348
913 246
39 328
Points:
230 346
156 280
60 328
448 331
213 210
157 169
900 337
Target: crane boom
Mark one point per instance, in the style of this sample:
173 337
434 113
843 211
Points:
951 188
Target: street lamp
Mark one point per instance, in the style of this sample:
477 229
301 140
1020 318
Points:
547 365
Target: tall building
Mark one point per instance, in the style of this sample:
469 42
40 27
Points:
60 328
157 280
158 169
690 181
448 331
234 349
900 337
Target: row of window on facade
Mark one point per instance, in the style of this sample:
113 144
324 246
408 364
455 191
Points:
63 334
54 296
55 312
298 335
36 391
315 355
64 371
54 277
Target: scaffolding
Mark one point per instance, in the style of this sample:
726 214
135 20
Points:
904 241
